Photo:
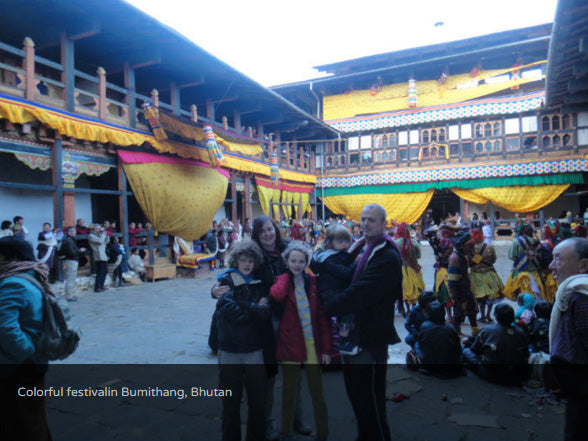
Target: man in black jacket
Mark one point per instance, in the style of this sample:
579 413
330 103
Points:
376 286
71 254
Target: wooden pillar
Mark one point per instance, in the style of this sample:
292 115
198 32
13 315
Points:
123 204
237 120
210 110
234 198
175 98
28 65
131 97
57 180
102 110
69 209
247 199
288 145
492 218
466 210
68 74
313 205
541 222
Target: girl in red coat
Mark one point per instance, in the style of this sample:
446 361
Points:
304 336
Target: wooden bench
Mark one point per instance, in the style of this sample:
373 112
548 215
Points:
155 272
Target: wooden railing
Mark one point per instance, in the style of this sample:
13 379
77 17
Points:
27 75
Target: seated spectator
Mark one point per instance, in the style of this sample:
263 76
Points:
525 314
417 316
539 329
499 353
438 348
6 229
538 332
136 263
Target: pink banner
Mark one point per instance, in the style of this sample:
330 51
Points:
146 158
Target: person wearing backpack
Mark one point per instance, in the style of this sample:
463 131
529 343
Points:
21 322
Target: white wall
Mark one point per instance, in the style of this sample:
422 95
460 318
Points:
83 202
35 207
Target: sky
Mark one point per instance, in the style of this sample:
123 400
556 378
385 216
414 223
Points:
278 42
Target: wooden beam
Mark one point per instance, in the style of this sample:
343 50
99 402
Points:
223 100
581 97
580 68
578 85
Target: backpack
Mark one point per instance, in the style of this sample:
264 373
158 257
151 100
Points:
57 340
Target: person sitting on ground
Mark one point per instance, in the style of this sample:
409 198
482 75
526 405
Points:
438 348
334 268
525 314
136 264
538 332
417 316
499 353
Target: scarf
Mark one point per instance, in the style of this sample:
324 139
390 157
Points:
9 268
573 284
367 253
248 279
528 303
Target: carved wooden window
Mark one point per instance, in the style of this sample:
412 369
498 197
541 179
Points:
546 124
426 139
342 161
434 135
479 147
441 135
555 123
567 140
497 146
496 129
566 122
378 141
546 142
556 140
487 130
385 141
385 157
479 128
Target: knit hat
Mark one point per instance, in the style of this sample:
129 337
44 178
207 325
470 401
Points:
14 248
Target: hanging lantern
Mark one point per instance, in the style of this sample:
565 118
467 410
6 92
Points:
215 155
412 93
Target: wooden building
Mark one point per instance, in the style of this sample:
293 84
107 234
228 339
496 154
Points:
76 141
461 126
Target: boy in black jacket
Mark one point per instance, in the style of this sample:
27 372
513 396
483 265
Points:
244 322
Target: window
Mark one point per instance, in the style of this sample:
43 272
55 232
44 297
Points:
555 122
545 124
384 141
342 161
392 140
378 141
566 122
566 140
488 147
479 147
454 149
530 143
366 142
466 131
402 138
466 148
556 141
497 146
497 129
426 137
487 130
479 131
511 125
414 136
378 157
453 133
393 155
441 135
529 123
385 157
546 142
414 153
512 144
434 135
403 154
353 143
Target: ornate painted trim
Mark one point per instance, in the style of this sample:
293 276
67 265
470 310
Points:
461 173
33 161
491 106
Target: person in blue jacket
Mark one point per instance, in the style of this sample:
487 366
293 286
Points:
21 319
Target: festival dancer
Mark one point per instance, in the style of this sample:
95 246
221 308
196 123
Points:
412 278
551 239
486 284
525 276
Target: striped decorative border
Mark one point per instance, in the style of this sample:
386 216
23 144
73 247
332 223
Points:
491 106
450 174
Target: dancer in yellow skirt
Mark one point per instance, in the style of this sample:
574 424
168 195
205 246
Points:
525 275
412 278
551 239
486 284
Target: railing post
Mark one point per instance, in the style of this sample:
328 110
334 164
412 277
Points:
225 121
28 65
102 109
155 98
194 111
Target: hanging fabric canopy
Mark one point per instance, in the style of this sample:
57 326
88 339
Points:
284 192
405 207
178 196
515 198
